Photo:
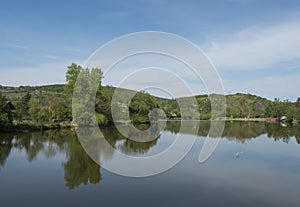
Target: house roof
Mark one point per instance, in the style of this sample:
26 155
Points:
8 103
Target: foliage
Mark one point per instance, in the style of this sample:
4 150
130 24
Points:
83 102
101 119
39 112
4 122
22 107
140 107
246 106
71 76
53 103
6 117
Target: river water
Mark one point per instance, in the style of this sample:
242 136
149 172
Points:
255 164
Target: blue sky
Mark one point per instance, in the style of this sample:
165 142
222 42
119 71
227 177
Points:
255 45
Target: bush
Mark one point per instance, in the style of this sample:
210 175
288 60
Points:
101 119
140 119
5 123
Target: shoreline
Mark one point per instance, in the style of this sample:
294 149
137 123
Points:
28 127
247 119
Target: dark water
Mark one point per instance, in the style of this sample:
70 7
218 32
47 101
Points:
51 169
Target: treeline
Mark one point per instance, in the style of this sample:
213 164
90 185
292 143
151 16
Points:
40 105
53 104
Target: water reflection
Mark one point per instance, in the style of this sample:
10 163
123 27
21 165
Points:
125 145
5 148
129 146
80 169
242 131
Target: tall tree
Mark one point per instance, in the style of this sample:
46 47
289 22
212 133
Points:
5 113
22 111
2 99
83 105
71 76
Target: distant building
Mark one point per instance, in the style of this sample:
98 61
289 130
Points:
8 105
283 118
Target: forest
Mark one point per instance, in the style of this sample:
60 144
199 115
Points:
31 107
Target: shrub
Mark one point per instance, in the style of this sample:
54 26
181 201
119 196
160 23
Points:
101 119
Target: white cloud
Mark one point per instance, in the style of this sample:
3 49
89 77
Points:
240 1
283 87
155 70
47 73
115 15
257 47
54 57
18 46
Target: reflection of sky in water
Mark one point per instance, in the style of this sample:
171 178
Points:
266 174
267 171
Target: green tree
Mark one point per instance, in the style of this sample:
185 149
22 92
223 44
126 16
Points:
39 112
2 98
61 109
34 110
5 114
83 106
140 106
22 111
291 112
71 76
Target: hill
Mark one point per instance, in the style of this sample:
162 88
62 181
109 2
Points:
237 105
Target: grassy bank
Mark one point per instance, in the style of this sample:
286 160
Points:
30 126
246 119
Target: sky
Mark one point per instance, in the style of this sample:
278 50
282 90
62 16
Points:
254 44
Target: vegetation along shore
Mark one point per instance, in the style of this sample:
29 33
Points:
27 108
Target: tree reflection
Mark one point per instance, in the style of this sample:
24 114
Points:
128 146
81 169
241 131
278 132
5 147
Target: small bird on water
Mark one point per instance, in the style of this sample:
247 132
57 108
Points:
238 154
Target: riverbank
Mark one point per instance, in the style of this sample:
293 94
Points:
27 127
31 126
246 119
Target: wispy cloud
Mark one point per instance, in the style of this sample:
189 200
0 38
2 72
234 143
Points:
283 87
116 15
240 1
46 73
18 46
53 57
257 47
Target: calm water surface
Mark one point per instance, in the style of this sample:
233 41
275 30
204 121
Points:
51 169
